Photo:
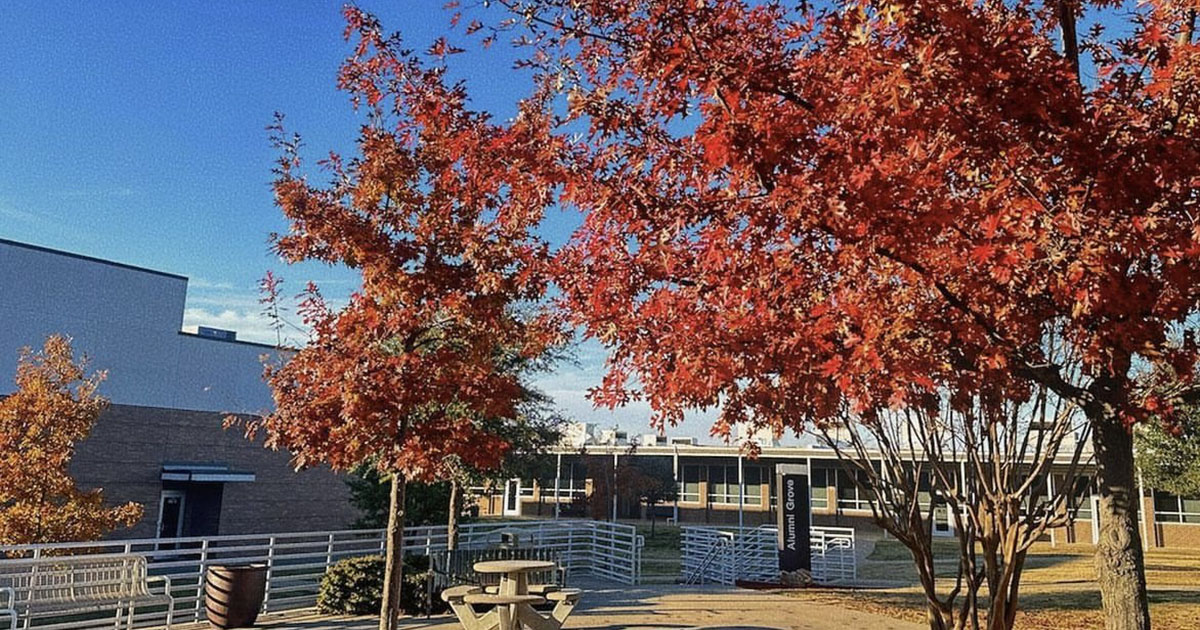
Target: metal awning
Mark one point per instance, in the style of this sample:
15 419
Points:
204 473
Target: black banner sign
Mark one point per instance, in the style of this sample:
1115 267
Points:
794 521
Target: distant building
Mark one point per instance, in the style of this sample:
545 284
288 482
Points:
612 437
719 485
652 439
161 442
576 435
763 437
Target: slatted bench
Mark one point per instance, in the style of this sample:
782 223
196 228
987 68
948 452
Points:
7 610
457 567
57 587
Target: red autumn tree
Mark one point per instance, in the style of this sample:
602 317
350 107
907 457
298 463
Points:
54 406
436 213
792 206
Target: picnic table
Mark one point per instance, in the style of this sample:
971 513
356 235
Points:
512 602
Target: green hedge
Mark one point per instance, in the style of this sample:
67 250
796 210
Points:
354 586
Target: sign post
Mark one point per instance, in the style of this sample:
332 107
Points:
794 518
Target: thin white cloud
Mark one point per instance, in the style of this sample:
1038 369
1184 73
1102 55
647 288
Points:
118 192
10 212
249 326
206 284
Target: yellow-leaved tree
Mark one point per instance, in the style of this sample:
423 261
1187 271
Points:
54 406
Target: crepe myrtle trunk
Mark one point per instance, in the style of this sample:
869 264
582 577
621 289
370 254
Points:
393 573
1120 565
452 519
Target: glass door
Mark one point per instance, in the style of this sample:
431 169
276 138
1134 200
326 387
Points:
170 514
512 497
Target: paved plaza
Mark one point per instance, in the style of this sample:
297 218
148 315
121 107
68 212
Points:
657 607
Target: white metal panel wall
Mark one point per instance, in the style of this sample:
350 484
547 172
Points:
128 322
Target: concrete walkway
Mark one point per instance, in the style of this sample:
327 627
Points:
654 607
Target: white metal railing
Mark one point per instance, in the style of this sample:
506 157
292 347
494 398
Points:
296 561
833 554
705 555
726 555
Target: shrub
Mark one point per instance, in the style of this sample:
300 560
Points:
354 586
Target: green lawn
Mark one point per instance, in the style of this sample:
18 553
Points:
660 556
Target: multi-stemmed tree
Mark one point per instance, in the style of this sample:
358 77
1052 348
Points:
985 467
794 207
436 214
54 406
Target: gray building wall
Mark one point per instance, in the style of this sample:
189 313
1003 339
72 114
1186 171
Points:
169 390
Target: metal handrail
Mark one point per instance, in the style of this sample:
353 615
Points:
720 547
297 560
754 555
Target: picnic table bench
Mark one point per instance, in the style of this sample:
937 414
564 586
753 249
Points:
511 603
61 586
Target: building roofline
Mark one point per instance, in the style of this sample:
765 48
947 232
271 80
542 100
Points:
257 344
721 450
111 263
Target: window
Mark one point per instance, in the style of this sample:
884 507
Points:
1169 508
1036 495
689 491
753 476
1081 499
722 484
848 495
818 481
572 482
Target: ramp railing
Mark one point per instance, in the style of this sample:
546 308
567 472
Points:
296 561
726 555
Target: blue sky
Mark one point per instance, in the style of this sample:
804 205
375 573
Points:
134 131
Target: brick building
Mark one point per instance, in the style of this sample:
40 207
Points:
161 441
718 486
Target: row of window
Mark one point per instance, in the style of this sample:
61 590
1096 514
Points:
1169 508
849 495
723 484
723 488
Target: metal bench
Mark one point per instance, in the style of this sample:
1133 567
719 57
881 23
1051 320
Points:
9 611
58 587
457 567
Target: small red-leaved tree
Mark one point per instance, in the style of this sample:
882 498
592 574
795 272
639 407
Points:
792 205
54 407
436 213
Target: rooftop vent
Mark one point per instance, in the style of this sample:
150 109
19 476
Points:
216 333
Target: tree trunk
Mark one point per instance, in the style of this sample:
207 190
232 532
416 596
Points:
1120 567
452 521
1070 40
393 573
940 617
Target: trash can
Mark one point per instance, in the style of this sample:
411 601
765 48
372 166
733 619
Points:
233 594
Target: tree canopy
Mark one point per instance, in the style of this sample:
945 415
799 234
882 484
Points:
788 207
436 212
54 406
1168 446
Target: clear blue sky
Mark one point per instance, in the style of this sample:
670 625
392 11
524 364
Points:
133 131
